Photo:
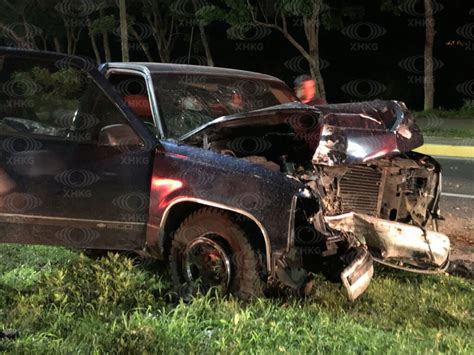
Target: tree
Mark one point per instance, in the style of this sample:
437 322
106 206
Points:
159 16
428 76
428 79
124 31
14 25
202 32
242 16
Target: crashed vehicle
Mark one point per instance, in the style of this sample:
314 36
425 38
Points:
221 172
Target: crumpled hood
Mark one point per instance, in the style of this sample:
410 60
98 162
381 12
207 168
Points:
350 133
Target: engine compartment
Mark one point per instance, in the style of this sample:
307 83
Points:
402 188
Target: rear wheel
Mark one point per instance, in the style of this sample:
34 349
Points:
210 250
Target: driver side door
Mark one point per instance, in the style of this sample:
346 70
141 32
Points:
66 178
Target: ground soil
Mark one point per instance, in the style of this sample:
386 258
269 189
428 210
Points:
459 226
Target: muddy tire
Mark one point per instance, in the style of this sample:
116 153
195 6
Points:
210 250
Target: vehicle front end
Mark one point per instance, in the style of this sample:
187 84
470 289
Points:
331 188
364 195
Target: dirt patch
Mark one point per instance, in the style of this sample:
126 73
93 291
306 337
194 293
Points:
459 226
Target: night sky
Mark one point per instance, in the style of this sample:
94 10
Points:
377 56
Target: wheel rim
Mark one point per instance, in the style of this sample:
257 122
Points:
206 261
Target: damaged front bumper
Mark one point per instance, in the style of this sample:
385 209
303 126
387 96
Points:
395 243
356 277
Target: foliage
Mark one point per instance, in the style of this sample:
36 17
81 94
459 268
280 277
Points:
73 304
61 88
106 23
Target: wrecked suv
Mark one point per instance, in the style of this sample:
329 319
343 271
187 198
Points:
221 172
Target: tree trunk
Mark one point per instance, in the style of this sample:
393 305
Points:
428 80
204 41
93 43
57 44
311 27
105 42
17 39
124 31
142 44
69 42
159 37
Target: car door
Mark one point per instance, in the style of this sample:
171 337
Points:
75 162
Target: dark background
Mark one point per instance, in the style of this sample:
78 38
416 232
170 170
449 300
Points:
374 69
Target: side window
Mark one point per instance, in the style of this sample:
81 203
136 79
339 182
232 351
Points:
133 90
48 98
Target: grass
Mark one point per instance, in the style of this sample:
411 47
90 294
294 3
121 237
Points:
448 132
63 302
439 122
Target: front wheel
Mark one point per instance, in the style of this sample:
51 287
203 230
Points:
210 250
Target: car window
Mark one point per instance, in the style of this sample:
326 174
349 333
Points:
187 101
133 90
48 98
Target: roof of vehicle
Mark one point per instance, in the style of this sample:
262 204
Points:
193 69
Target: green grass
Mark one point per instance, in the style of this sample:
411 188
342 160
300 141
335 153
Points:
448 132
63 302
440 122
465 111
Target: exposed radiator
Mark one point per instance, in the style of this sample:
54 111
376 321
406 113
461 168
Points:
359 190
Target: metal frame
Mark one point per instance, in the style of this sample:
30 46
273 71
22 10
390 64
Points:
144 72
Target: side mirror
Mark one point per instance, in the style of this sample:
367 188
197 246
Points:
118 135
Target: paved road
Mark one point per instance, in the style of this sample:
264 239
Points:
457 202
458 176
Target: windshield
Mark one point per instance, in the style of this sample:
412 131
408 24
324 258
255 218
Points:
187 101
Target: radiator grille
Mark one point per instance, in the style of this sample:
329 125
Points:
359 190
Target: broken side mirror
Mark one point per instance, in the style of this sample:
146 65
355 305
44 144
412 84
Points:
118 135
